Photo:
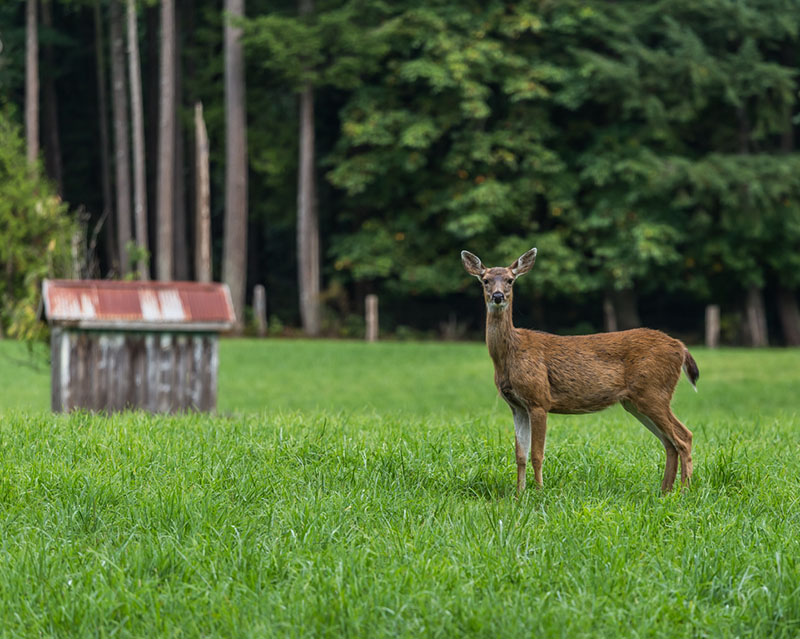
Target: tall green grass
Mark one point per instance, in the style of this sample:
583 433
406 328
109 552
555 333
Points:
367 490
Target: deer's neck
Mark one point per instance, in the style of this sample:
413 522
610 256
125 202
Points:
501 337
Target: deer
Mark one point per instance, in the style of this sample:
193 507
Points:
537 373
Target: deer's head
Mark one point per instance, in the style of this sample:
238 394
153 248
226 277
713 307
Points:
498 281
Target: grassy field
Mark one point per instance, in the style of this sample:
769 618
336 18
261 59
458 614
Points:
364 490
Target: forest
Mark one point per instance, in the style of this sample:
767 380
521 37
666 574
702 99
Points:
330 149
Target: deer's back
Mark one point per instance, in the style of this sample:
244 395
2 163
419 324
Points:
586 373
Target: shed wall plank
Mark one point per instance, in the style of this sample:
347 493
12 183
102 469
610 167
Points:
180 374
213 367
136 391
165 366
55 369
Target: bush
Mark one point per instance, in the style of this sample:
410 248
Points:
36 229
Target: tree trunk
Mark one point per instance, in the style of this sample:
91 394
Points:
625 307
52 138
166 142
31 83
790 316
182 237
137 115
105 162
755 318
151 86
202 251
181 233
307 220
119 105
235 248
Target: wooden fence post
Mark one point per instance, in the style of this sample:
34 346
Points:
371 304
260 309
712 326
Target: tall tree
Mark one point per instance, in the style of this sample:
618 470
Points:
102 124
31 82
202 251
180 229
788 309
52 139
166 143
122 161
307 217
137 117
453 135
755 314
234 261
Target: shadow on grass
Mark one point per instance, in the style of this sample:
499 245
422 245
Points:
489 486
574 482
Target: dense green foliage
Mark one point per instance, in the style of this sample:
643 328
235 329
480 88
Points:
639 146
644 148
36 232
322 507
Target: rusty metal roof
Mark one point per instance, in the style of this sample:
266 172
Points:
109 304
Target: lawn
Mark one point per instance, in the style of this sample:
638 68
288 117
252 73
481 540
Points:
348 489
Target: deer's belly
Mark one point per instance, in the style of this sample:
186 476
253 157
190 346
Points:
574 394
574 404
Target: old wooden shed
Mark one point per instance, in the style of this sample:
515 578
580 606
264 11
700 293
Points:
135 345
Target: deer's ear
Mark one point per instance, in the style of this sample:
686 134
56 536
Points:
472 264
524 263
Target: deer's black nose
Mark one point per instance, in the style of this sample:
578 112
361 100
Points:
498 297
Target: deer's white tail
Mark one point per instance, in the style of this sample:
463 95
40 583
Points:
690 368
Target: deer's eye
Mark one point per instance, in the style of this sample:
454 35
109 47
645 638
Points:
509 281
486 282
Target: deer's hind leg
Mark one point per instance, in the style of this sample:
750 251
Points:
671 467
678 435
675 432
682 439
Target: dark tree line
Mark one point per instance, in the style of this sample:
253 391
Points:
647 149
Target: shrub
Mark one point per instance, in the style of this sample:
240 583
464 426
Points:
36 230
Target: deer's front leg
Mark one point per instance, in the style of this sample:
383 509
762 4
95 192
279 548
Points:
522 444
538 430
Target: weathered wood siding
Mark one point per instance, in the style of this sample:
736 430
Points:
156 372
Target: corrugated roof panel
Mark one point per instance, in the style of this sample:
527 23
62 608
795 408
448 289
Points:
118 302
171 306
92 303
207 304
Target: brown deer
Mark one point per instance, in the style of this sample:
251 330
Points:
539 373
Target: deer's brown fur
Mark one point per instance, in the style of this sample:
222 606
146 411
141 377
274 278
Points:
538 373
